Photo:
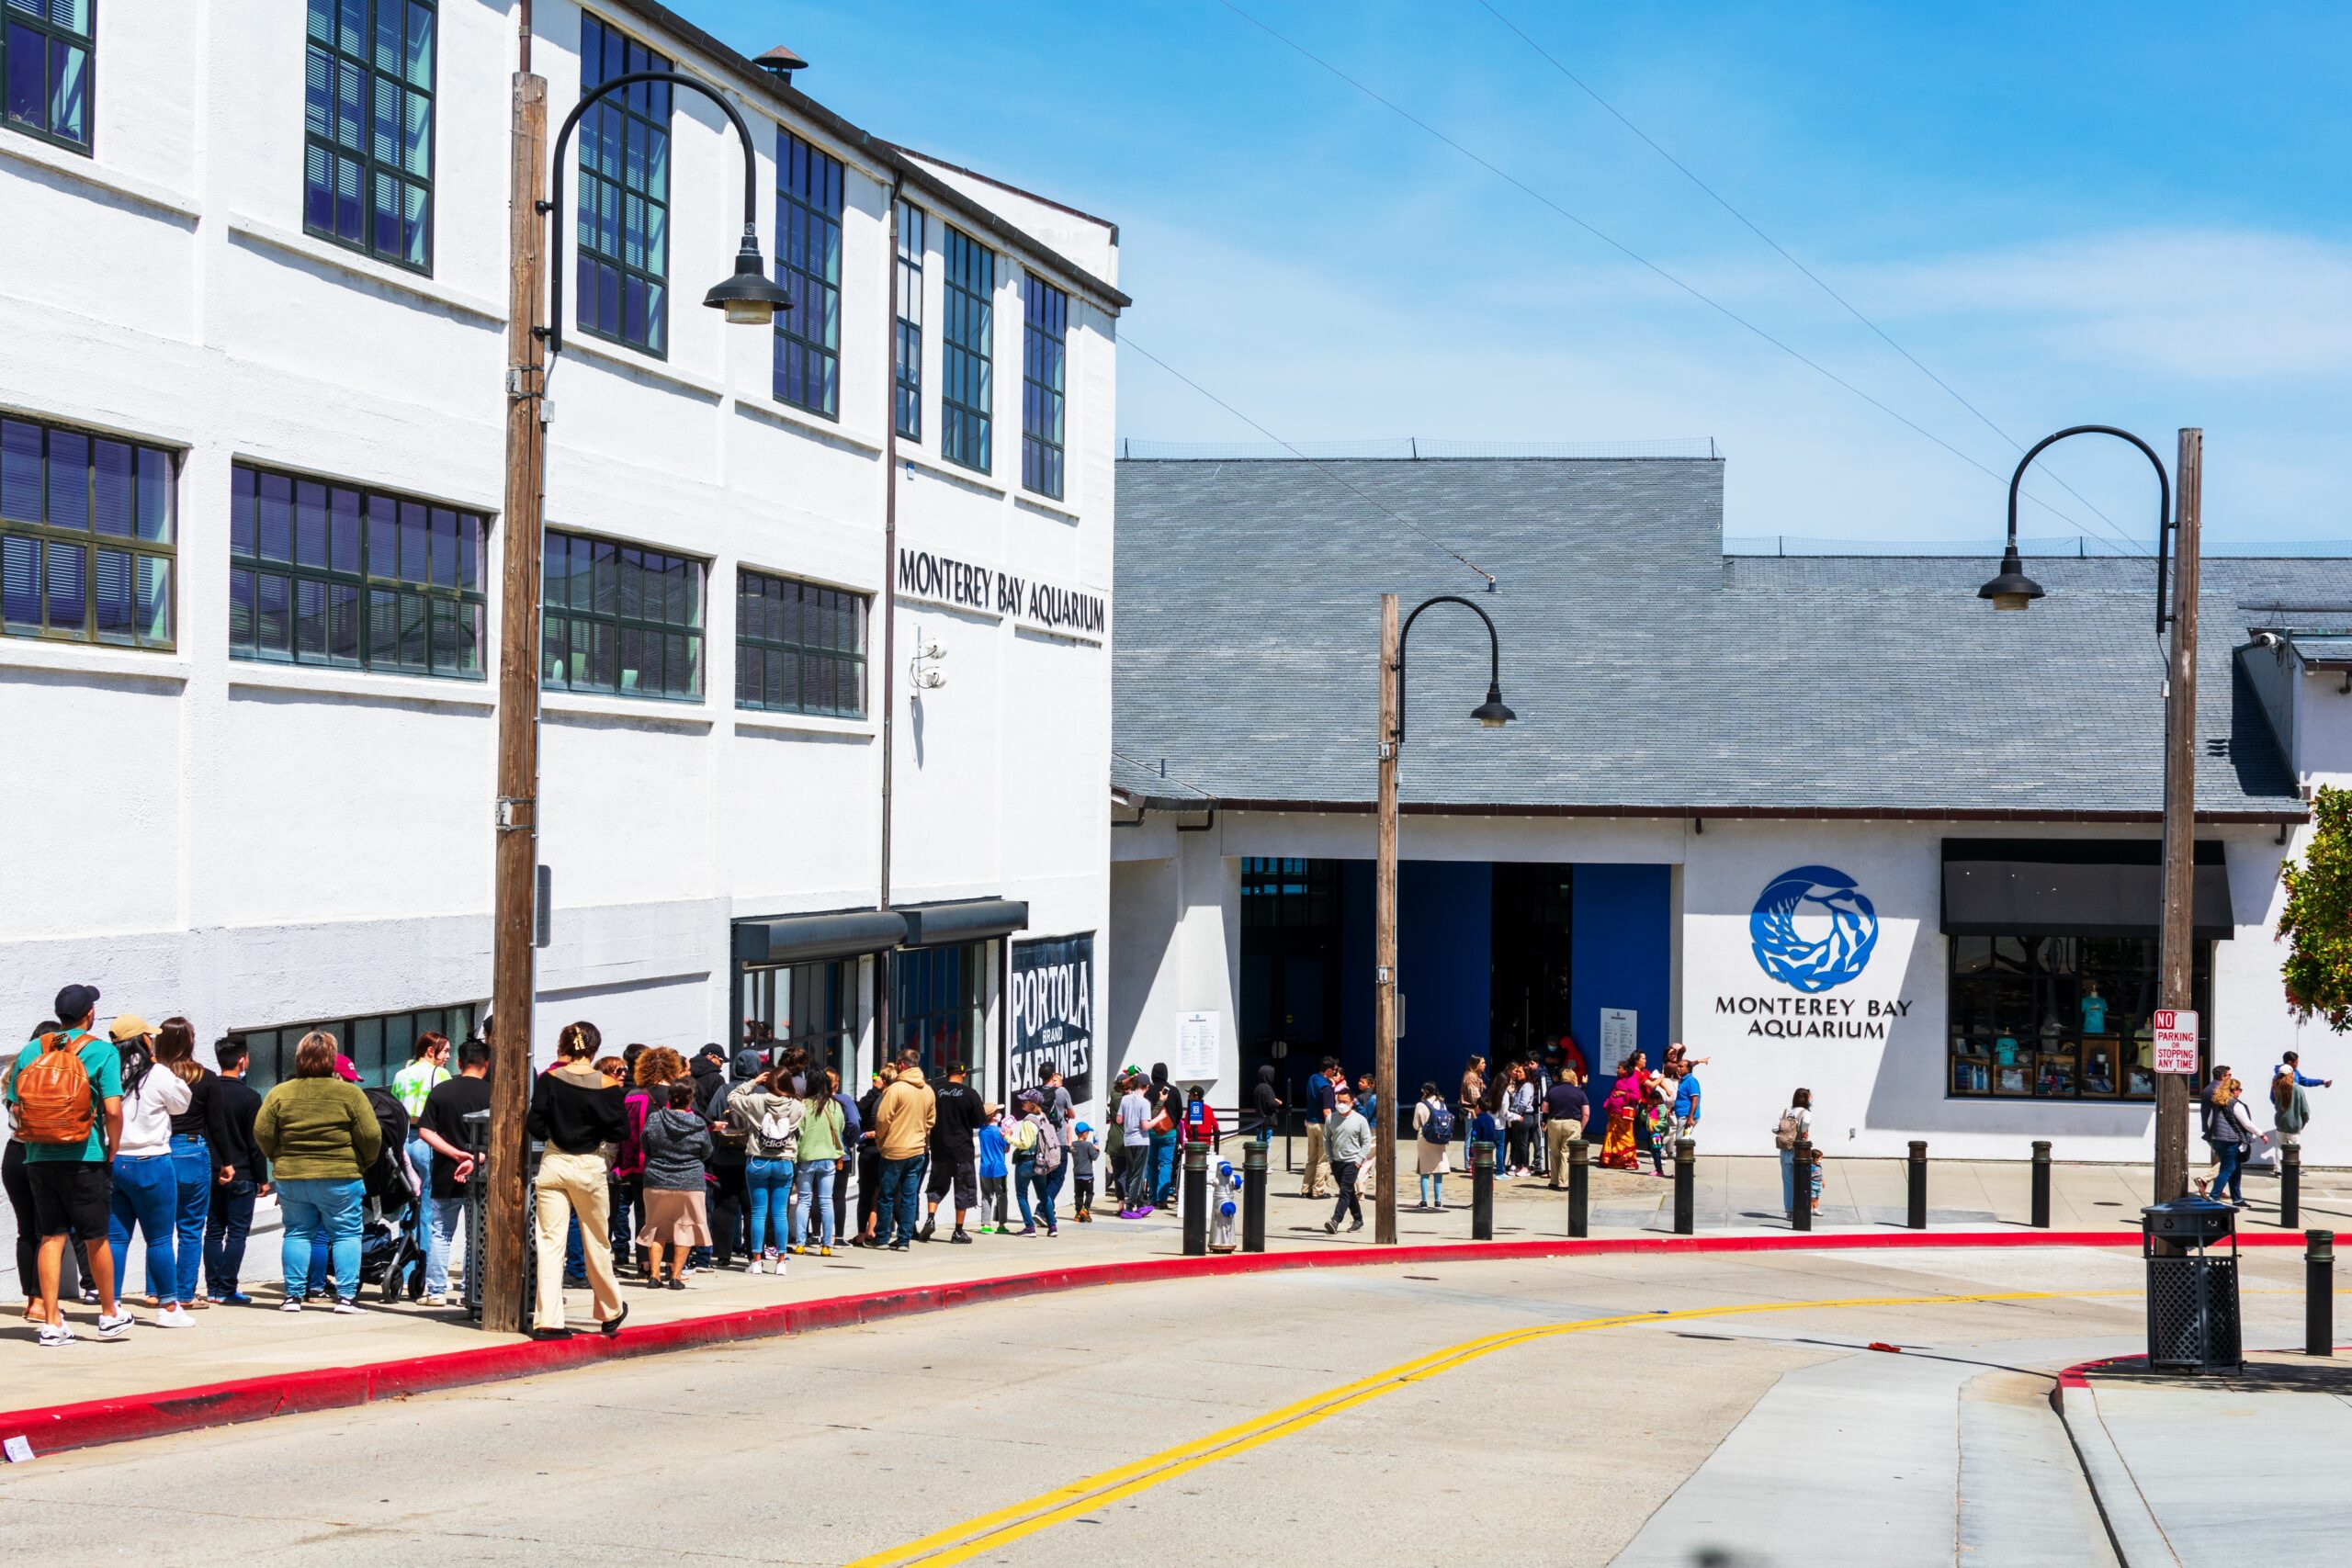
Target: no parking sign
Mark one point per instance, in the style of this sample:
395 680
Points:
2175 1034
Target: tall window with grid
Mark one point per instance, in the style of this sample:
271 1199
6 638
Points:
965 369
1044 366
88 525
45 60
906 348
620 618
808 266
368 127
331 574
624 224
799 647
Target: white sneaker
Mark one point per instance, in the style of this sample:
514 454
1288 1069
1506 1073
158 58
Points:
346 1308
55 1334
440 1300
175 1316
292 1304
114 1328
759 1264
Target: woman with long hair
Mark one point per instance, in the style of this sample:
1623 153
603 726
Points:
146 1187
818 1164
768 1114
1429 1156
677 1152
2229 1129
196 1132
321 1137
1617 1151
579 1112
1796 1123
1519 1118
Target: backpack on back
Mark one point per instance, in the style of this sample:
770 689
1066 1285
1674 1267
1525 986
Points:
1784 1136
1048 1151
54 1104
1438 1128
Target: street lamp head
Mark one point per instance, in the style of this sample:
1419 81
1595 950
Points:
2013 589
1491 713
750 297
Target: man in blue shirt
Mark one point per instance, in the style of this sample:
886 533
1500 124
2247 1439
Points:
2290 1063
1686 1105
73 1183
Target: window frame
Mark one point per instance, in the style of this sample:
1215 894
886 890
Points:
696 632
281 1040
800 218
56 33
246 500
967 366
750 645
1044 455
906 328
2022 965
45 534
372 168
623 108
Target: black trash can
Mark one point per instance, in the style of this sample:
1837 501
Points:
2192 1288
478 1145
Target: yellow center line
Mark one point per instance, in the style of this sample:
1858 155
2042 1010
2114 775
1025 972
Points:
960 1542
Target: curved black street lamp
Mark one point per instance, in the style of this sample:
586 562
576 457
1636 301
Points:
1491 713
750 297
2013 589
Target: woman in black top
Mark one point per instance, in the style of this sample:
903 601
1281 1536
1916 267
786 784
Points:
196 1132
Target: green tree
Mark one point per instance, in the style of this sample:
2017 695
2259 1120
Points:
2317 925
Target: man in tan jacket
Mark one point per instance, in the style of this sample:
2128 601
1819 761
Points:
902 1122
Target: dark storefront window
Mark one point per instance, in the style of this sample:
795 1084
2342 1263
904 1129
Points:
816 1004
378 1046
2059 1018
941 1008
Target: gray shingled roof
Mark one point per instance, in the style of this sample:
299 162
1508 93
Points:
1650 672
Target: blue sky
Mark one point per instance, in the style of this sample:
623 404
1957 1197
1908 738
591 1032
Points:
2134 215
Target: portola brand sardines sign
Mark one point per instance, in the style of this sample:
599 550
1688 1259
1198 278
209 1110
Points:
1053 1014
1812 931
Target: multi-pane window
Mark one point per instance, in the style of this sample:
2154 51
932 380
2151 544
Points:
808 266
624 228
620 618
939 1007
965 366
378 1047
1045 359
2062 1017
799 647
815 1005
332 574
907 350
88 525
367 129
45 61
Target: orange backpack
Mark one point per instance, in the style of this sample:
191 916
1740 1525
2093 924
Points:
53 1100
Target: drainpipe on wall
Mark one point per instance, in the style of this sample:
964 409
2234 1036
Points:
884 962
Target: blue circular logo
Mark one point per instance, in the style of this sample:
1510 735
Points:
1811 963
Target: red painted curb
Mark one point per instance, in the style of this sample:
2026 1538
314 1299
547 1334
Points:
55 1428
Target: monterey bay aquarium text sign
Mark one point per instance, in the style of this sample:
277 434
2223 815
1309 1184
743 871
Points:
946 580
1812 931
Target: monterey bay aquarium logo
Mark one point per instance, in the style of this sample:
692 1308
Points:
1812 931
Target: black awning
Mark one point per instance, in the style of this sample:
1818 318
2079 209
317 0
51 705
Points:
2077 887
806 939
972 919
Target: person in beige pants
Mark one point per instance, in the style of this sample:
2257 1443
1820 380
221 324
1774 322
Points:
579 1116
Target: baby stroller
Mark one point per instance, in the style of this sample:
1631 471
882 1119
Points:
391 1236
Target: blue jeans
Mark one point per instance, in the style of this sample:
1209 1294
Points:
1434 1191
813 1179
2230 1178
192 1168
443 1216
769 1181
230 1222
321 1217
1049 1186
420 1158
901 1195
146 1193
1163 1167
1025 1182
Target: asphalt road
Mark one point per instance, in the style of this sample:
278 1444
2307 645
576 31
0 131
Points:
1624 1408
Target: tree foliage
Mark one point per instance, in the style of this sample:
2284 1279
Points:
2317 925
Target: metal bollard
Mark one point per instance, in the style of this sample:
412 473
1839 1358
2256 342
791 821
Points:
2041 1184
1196 1199
2290 1188
1482 1191
1915 1212
1253 1198
2319 1292
1801 1189
1580 1156
1686 1187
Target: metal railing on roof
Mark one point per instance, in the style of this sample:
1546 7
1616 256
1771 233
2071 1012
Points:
2079 546
1405 448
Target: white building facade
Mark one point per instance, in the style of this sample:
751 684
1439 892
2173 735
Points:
254 297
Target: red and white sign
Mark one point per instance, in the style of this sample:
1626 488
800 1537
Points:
2176 1035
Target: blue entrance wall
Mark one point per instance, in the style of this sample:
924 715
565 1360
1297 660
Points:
1620 951
1445 955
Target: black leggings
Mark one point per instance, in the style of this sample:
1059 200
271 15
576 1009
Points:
73 1268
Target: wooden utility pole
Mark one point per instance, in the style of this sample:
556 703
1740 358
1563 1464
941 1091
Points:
1384 956
2176 954
516 871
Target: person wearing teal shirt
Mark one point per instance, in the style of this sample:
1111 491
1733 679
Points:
73 1183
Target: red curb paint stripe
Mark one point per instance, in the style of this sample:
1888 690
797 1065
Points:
125 1418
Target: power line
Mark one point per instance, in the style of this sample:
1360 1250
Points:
1815 279
1635 256
1125 341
